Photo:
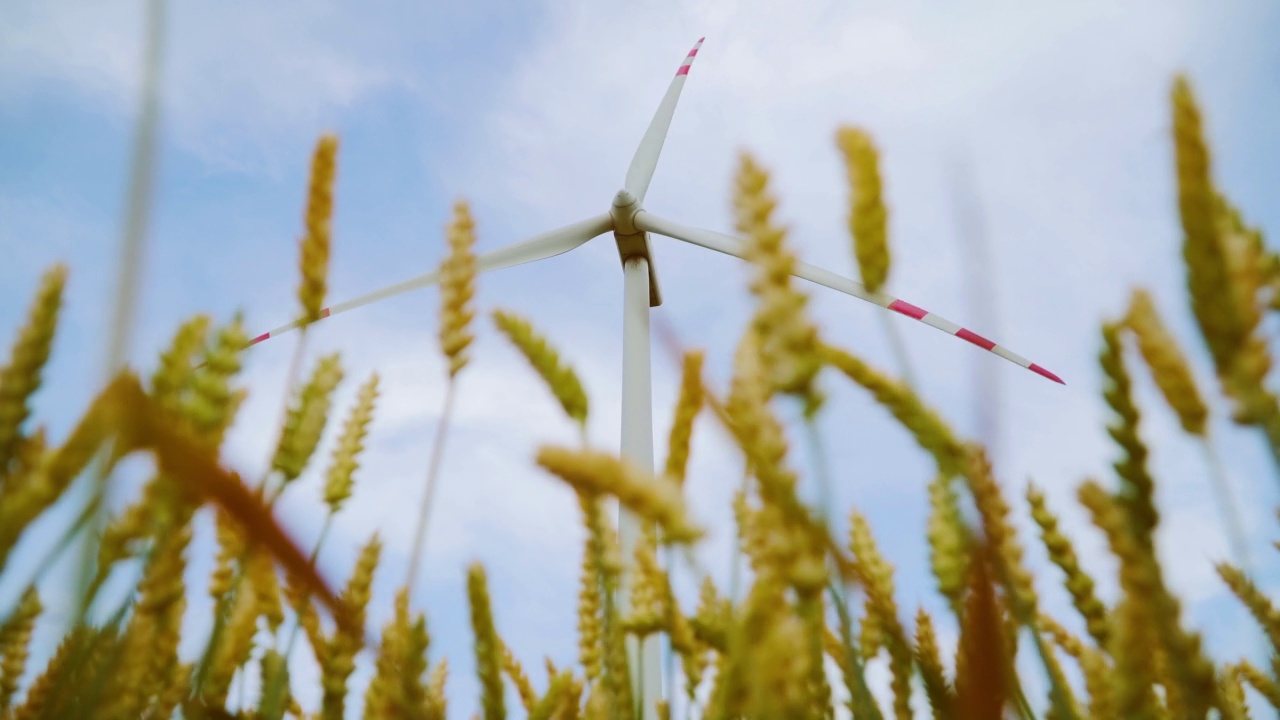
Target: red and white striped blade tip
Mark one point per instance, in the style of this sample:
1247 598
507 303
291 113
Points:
292 326
918 313
688 59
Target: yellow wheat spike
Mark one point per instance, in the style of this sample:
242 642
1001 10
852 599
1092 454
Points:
1093 665
929 658
756 430
20 378
1202 245
928 428
346 453
487 644
759 434
876 575
56 471
780 670
1001 535
524 686
437 704
1169 366
75 647
340 655
590 634
1232 703
457 287
948 541
1152 616
712 616
230 547
1193 672
175 372
1078 582
213 403
236 644
1132 468
1223 267
687 408
163 601
317 239
15 641
1259 605
788 337
306 419
868 218
558 376
396 690
261 571
1263 683
647 608
28 454
274 671
812 613
596 472
1244 381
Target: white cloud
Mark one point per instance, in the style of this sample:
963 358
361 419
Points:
234 78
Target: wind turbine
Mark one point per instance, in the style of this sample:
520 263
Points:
632 225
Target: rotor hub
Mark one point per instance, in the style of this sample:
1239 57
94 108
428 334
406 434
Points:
632 241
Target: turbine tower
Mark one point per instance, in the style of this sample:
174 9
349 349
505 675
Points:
632 225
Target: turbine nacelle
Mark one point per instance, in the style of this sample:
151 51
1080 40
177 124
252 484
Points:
632 241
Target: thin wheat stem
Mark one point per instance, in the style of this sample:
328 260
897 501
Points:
1271 430
433 474
291 380
1227 507
220 610
215 636
129 274
664 639
818 460
639 694
315 553
861 694
899 349
821 470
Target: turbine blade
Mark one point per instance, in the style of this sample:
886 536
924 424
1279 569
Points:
646 158
541 247
730 245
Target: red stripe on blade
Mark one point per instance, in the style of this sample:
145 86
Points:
975 338
908 309
1041 371
324 313
684 70
260 338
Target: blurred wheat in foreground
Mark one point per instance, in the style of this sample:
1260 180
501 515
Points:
793 643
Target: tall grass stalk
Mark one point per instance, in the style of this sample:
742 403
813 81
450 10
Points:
133 240
428 495
1228 509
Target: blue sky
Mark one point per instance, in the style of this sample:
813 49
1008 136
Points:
531 112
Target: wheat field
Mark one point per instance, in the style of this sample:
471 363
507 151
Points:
814 609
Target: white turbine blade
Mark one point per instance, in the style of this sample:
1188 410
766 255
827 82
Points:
541 247
730 245
646 158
